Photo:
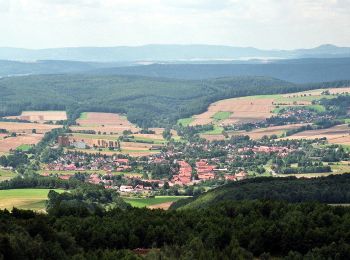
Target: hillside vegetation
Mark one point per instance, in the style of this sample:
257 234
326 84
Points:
332 189
145 101
298 71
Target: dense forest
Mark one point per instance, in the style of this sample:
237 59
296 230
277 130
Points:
297 71
332 189
231 230
90 222
145 101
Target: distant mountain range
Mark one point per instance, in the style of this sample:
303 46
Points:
168 53
296 70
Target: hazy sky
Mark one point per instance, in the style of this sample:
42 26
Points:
281 24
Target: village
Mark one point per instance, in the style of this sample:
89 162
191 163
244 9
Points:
179 166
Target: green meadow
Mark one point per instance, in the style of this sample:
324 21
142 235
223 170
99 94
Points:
185 121
33 199
222 115
145 202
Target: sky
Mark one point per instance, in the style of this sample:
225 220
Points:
267 24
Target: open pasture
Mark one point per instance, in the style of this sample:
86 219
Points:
162 202
254 134
339 134
105 119
105 123
12 143
257 108
318 92
16 127
236 110
24 198
41 116
259 133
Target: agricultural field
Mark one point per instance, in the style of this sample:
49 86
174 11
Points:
260 132
41 116
20 128
24 198
162 202
19 141
25 137
236 110
257 108
339 134
185 121
103 122
255 134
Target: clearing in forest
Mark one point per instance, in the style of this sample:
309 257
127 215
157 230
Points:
41 116
162 202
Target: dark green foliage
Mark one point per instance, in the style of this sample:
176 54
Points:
15 160
145 101
39 182
240 230
83 201
332 189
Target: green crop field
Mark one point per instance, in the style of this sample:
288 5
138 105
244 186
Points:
216 131
148 140
6 175
24 147
24 198
83 115
221 115
145 202
185 121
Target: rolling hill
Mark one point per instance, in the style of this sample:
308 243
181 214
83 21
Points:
331 189
297 71
163 52
145 101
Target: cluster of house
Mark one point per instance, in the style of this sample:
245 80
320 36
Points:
204 171
184 176
302 115
79 162
280 150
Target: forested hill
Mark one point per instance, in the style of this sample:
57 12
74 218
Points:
298 71
145 101
295 70
331 189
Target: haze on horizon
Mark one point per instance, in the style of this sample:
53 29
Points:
266 24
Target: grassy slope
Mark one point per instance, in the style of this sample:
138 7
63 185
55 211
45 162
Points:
24 198
144 202
185 121
221 115
24 147
290 189
145 101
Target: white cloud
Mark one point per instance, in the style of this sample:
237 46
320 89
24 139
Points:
260 23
